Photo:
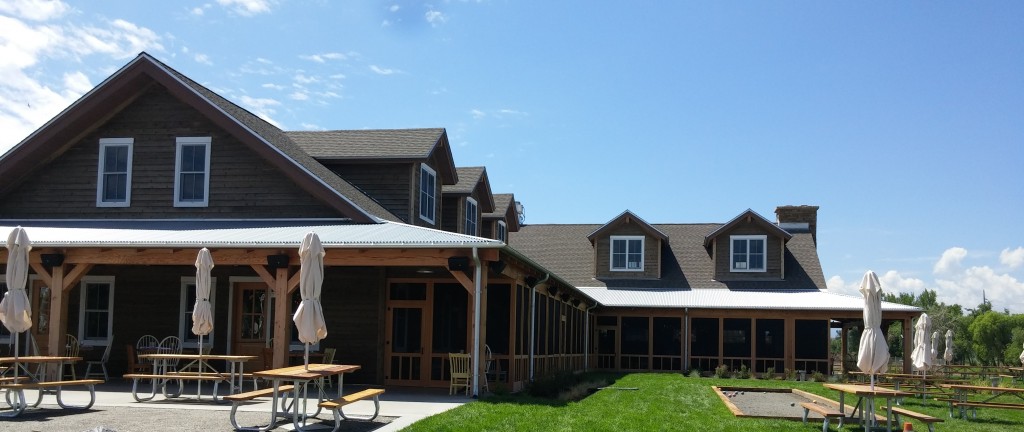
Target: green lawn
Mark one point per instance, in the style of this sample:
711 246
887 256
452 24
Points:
670 402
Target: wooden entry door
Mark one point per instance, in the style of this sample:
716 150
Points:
405 344
252 321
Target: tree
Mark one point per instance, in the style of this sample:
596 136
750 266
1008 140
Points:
991 334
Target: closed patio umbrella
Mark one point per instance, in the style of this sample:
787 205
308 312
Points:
873 355
202 316
935 349
922 357
309 316
948 355
15 310
1022 357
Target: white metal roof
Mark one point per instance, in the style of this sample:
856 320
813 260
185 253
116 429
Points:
227 234
734 299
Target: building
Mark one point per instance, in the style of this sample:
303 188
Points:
121 190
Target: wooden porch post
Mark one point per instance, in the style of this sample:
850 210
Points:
789 329
282 316
842 347
906 345
58 311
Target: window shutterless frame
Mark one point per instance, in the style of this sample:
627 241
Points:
192 172
748 253
114 172
472 217
187 304
626 253
96 310
428 193
502 232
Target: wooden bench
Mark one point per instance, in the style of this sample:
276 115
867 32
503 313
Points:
175 376
825 411
924 418
975 405
20 387
336 405
237 399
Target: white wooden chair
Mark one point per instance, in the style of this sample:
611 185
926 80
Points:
71 349
101 363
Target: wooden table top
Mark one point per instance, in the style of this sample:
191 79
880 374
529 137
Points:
984 388
198 357
316 370
39 359
863 390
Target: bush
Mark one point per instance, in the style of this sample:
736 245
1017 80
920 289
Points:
769 373
817 377
743 372
722 371
695 373
790 374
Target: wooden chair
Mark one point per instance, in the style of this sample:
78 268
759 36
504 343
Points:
329 359
170 345
71 349
101 363
134 365
147 344
459 372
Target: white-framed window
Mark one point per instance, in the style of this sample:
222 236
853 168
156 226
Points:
747 253
192 172
428 193
502 233
96 310
188 303
114 172
472 216
627 253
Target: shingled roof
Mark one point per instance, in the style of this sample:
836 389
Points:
469 178
402 144
686 263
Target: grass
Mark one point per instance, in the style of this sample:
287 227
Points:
674 402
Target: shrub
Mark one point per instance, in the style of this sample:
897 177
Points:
817 377
722 371
769 373
694 373
743 372
790 374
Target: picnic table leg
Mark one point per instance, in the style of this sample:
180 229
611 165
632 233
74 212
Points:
135 388
18 405
92 398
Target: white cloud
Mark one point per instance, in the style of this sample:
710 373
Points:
950 260
303 79
204 59
394 8
262 107
35 10
300 96
1012 258
435 18
477 114
322 58
36 31
273 86
311 126
199 10
337 76
247 7
381 71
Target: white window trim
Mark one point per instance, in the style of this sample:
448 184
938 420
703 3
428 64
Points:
100 170
185 321
732 264
181 141
502 232
81 310
424 168
611 253
475 217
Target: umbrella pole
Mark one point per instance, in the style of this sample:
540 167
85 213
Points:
872 381
199 383
16 356
306 357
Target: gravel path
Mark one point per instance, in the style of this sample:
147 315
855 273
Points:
123 419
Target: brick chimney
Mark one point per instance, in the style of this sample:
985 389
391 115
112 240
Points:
799 214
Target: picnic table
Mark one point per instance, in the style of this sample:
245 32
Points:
866 401
162 375
17 378
961 398
295 380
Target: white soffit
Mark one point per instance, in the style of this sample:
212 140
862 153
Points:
734 299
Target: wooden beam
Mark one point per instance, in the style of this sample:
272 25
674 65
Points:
58 311
74 276
293 282
42 273
282 317
262 272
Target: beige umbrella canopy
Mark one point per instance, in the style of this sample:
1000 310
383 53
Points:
1022 357
309 316
15 310
934 354
922 356
873 355
948 355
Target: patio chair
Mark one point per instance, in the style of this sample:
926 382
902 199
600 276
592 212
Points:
329 359
134 364
459 373
170 345
147 344
71 349
101 364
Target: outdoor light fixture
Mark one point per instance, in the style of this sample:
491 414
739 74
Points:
553 290
565 297
458 263
576 302
277 261
51 259
531 281
497 266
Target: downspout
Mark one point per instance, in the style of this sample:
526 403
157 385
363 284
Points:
686 339
586 337
533 318
477 274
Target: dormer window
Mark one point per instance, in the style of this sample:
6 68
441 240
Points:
627 253
747 253
471 216
114 182
428 193
192 172
502 232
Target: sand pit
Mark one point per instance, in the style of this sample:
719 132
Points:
770 403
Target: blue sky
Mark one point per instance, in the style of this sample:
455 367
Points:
903 121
